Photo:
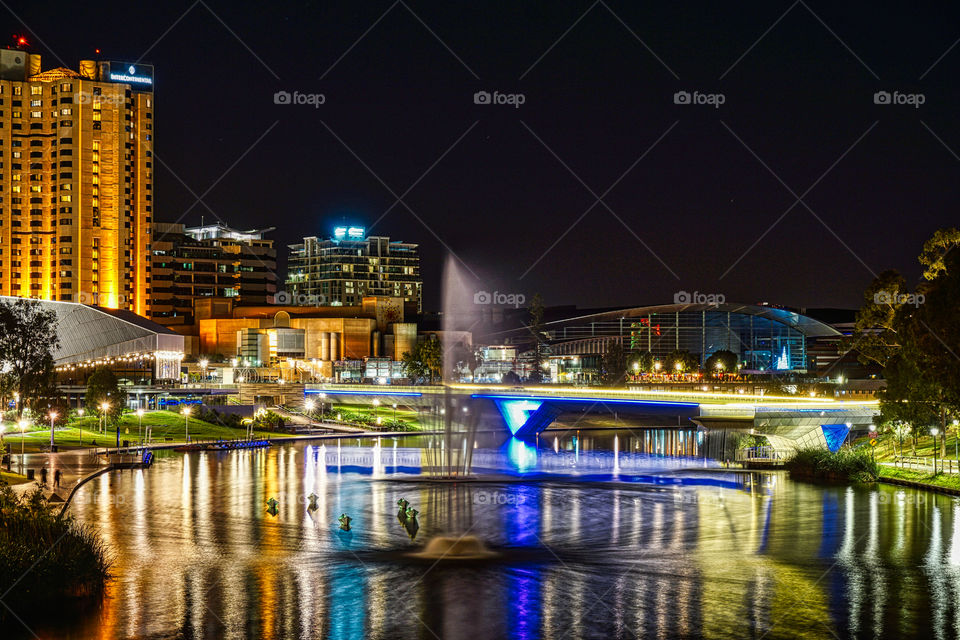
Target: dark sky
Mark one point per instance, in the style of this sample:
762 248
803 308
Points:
501 186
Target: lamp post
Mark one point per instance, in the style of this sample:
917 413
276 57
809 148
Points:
203 368
376 409
309 405
140 425
23 427
104 407
394 411
80 423
186 418
933 432
53 416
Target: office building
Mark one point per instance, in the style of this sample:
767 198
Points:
191 263
76 181
343 269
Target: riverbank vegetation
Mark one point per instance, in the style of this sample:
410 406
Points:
942 480
46 561
845 465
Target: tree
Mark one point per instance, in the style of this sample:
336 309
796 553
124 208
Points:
875 336
28 338
539 337
412 366
686 360
103 387
426 361
642 362
431 354
614 365
726 359
916 338
936 249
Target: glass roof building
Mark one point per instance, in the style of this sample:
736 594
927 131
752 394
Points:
764 338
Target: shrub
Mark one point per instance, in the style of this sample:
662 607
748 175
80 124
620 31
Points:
848 464
44 559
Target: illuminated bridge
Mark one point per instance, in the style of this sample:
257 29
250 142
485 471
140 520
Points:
787 421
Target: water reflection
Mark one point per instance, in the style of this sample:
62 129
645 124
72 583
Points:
610 541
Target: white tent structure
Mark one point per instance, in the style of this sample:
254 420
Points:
92 336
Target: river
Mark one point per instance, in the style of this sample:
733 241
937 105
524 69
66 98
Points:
600 535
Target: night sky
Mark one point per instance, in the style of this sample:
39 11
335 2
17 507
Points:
508 190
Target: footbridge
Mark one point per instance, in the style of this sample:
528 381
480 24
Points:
787 421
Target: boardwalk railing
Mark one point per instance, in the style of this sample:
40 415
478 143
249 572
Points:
761 454
925 463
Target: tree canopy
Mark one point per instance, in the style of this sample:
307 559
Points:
915 337
28 338
426 361
104 388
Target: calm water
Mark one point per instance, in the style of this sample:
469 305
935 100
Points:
608 542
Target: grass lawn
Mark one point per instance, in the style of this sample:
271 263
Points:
940 480
164 424
12 478
889 446
410 416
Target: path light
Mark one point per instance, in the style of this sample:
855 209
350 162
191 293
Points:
23 427
104 407
53 416
140 425
186 417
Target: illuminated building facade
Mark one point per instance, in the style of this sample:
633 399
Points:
341 270
317 341
764 339
191 263
76 181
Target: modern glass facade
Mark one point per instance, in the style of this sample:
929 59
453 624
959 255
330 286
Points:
765 338
341 270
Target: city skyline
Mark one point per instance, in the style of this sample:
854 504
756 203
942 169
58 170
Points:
706 195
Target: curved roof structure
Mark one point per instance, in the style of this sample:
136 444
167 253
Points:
93 333
809 327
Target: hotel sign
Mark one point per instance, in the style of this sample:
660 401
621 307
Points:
135 74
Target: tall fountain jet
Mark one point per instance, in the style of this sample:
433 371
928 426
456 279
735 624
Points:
452 453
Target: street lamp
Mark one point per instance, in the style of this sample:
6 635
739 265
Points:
186 417
203 368
80 423
376 409
104 407
140 425
53 416
23 427
933 432
394 411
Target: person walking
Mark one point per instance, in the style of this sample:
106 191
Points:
43 476
56 479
